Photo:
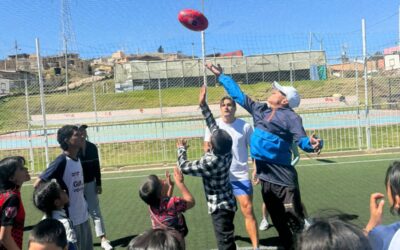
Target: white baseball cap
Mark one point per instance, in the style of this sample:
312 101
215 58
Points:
291 94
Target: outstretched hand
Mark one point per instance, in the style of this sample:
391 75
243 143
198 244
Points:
168 178
316 143
202 95
178 176
217 70
376 203
182 143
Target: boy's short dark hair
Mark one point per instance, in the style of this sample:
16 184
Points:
64 134
221 142
8 166
49 231
332 233
45 194
150 191
158 239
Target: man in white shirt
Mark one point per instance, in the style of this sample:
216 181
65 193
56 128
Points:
240 131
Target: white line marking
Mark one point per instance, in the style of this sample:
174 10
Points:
167 167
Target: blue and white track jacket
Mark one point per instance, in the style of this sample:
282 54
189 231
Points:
271 140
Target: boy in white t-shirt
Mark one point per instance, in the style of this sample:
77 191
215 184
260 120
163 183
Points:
67 170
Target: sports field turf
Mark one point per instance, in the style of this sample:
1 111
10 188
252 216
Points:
343 183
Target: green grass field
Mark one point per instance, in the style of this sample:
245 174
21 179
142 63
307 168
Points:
343 183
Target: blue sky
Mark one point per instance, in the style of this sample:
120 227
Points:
255 26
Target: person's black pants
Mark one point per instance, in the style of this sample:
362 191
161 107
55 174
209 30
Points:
224 229
284 206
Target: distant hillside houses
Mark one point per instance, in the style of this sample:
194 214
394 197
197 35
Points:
15 80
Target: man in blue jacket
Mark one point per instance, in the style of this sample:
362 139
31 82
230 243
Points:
276 127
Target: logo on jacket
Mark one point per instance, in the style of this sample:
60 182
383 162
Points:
10 212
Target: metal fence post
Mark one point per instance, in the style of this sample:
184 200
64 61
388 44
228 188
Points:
367 119
166 72
148 73
183 73
42 102
359 134
162 122
28 118
95 106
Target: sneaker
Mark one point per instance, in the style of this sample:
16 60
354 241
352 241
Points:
307 224
106 245
264 225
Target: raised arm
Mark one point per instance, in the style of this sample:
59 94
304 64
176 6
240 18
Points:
186 195
205 110
195 168
170 184
234 90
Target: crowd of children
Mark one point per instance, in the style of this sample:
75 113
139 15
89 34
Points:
66 192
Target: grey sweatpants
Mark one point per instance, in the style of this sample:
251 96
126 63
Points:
94 208
84 236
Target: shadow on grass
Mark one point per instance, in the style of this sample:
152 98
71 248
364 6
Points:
271 241
121 242
266 242
325 160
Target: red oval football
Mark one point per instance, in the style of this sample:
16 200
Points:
193 20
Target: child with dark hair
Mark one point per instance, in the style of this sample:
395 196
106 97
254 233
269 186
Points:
214 167
167 211
12 175
67 170
385 236
332 234
158 239
49 198
48 234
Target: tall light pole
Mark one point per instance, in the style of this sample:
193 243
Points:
67 36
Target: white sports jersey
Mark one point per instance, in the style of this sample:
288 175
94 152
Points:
69 175
240 131
73 178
